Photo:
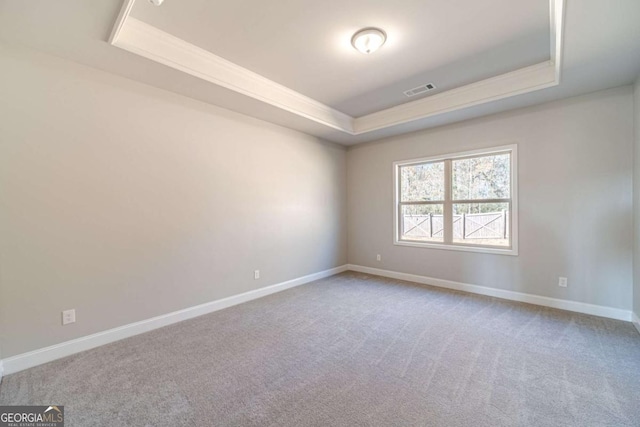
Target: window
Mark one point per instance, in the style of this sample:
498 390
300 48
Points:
462 201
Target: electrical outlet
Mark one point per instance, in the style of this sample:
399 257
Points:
378 257
69 316
562 282
256 274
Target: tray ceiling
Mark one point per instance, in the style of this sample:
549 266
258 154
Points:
336 72
599 50
305 45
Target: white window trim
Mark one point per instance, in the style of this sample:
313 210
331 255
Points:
513 250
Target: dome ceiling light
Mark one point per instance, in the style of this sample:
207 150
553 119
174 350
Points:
368 40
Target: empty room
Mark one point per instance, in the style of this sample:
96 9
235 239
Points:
297 213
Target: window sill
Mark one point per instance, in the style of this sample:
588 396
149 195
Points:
456 247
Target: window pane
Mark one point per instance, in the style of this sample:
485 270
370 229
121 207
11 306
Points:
485 224
423 182
486 177
421 222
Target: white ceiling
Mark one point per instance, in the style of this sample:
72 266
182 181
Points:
601 50
305 45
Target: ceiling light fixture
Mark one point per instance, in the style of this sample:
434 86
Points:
368 40
156 2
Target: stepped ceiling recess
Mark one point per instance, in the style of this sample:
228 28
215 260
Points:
293 62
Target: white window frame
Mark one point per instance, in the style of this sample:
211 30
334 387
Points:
448 203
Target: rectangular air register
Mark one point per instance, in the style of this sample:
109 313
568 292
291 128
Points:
420 90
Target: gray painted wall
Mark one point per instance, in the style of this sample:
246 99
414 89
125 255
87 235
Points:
125 202
575 195
636 198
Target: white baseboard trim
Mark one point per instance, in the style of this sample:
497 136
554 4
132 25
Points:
37 357
636 323
579 307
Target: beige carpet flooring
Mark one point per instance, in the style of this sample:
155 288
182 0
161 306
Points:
354 350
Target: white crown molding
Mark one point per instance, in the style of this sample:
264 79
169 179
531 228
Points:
556 8
575 306
517 82
152 43
38 357
125 11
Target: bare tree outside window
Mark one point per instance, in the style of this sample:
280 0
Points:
464 200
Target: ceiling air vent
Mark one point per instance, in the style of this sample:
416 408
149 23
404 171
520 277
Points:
420 90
